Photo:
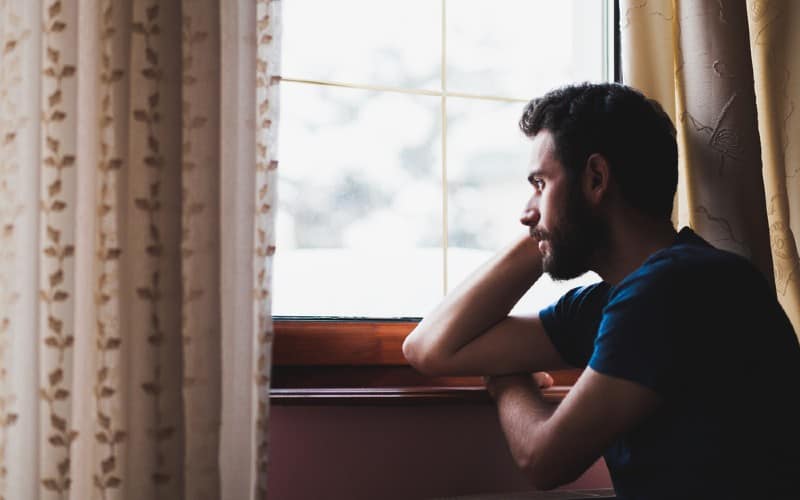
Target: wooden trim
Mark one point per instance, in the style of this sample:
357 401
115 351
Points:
398 396
371 377
361 362
338 343
309 377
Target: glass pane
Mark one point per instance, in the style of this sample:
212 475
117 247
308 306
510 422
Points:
363 41
359 224
487 156
523 48
487 159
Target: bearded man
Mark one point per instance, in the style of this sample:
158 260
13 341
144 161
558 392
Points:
691 376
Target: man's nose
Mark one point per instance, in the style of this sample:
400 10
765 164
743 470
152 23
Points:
530 216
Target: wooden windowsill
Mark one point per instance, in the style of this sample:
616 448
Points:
395 395
340 342
361 362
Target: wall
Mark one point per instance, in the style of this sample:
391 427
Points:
394 452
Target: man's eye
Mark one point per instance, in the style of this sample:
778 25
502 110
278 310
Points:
538 184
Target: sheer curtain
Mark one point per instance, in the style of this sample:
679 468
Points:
137 155
728 74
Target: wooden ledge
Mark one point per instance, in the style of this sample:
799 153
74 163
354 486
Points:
340 342
395 396
334 362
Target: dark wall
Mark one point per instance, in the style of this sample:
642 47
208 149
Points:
394 452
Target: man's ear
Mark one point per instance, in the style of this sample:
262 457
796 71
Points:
596 178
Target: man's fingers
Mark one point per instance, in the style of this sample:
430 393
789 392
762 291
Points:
543 379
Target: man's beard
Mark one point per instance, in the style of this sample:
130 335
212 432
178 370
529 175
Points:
575 240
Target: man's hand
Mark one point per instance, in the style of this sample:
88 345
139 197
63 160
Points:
554 444
496 384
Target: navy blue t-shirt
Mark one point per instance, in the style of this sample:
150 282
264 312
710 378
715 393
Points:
703 329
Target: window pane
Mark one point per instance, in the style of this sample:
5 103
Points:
522 48
360 203
363 41
487 162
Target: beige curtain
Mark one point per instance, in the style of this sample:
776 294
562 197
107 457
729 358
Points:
137 146
728 73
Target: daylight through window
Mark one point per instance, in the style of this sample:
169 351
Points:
402 167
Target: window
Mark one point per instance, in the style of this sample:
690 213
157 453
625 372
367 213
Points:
402 167
402 170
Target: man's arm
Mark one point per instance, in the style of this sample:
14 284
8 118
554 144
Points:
470 332
555 445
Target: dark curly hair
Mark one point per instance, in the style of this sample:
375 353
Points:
632 132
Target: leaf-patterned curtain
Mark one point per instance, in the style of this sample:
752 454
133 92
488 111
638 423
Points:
729 75
137 155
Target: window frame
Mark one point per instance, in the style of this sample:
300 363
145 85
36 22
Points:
322 360
329 360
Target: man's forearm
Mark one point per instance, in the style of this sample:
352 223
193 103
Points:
523 414
480 302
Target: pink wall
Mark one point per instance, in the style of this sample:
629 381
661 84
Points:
394 452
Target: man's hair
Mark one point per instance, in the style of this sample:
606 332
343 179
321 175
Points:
632 132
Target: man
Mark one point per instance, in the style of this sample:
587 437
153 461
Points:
692 369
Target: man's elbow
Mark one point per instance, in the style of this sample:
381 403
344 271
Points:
422 358
544 482
543 474
411 352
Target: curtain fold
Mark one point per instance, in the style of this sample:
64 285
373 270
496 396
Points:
774 29
250 59
737 140
132 338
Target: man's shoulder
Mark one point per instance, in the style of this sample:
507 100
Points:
689 264
592 292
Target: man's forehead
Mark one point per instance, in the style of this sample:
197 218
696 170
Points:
543 157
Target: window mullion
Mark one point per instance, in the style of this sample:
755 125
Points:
445 228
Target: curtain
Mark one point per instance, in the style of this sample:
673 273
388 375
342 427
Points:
725 72
137 155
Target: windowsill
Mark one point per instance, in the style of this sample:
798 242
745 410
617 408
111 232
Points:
361 362
395 395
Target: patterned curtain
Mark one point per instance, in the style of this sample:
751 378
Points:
729 74
137 155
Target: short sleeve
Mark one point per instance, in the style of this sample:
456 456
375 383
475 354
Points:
637 334
572 322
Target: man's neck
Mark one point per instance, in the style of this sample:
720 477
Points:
631 242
